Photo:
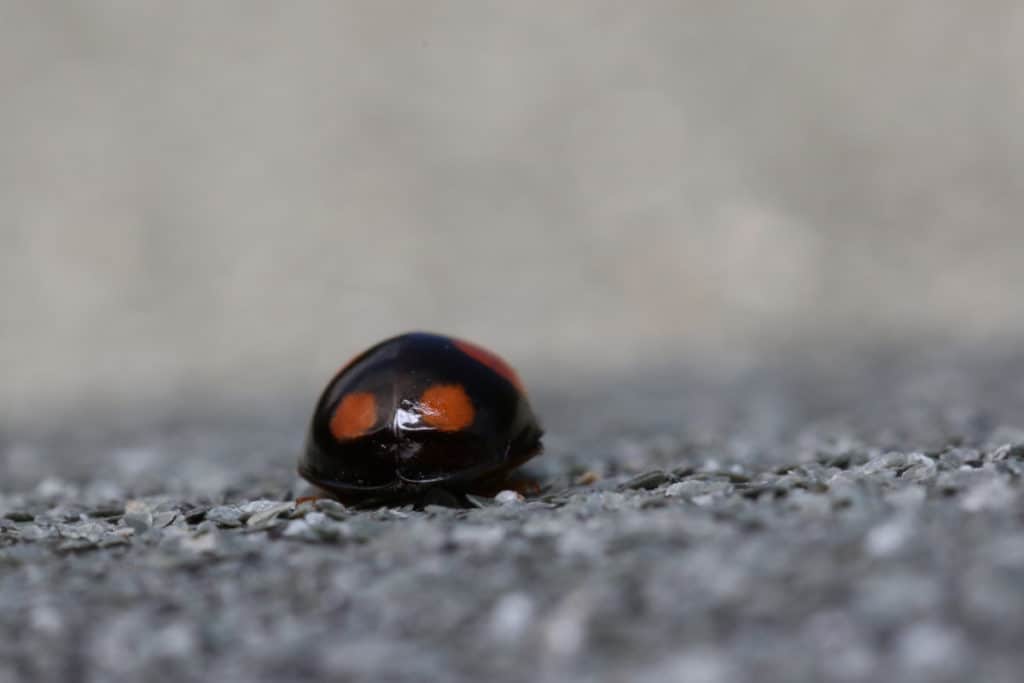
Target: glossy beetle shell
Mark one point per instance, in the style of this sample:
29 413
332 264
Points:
418 410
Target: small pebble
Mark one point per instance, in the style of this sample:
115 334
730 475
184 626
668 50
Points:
646 481
196 516
110 509
20 516
138 516
298 528
225 516
269 514
508 497
687 488
332 508
162 520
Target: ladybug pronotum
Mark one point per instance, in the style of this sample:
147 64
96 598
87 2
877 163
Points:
416 411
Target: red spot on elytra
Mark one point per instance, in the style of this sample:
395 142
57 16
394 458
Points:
447 407
492 361
354 416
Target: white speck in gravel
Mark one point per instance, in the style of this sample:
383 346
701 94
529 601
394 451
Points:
508 497
888 537
511 617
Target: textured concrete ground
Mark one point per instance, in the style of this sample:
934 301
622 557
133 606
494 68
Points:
206 207
811 521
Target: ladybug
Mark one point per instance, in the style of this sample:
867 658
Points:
416 411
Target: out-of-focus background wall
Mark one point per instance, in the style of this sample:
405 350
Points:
223 201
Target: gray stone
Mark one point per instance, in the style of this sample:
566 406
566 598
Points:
225 516
138 515
332 508
269 514
794 540
508 497
646 481
20 516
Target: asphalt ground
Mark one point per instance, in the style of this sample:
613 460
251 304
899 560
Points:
815 518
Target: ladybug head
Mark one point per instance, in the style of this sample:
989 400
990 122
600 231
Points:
379 462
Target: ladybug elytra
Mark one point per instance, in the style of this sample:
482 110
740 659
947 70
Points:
415 411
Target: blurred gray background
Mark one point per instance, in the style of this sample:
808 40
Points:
222 202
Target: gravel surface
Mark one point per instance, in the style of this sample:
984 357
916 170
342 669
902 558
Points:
815 521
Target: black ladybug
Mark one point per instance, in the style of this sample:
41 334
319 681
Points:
415 411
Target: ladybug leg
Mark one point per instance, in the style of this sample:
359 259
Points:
312 495
316 493
527 487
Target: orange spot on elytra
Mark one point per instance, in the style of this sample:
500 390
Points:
447 407
494 362
355 414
